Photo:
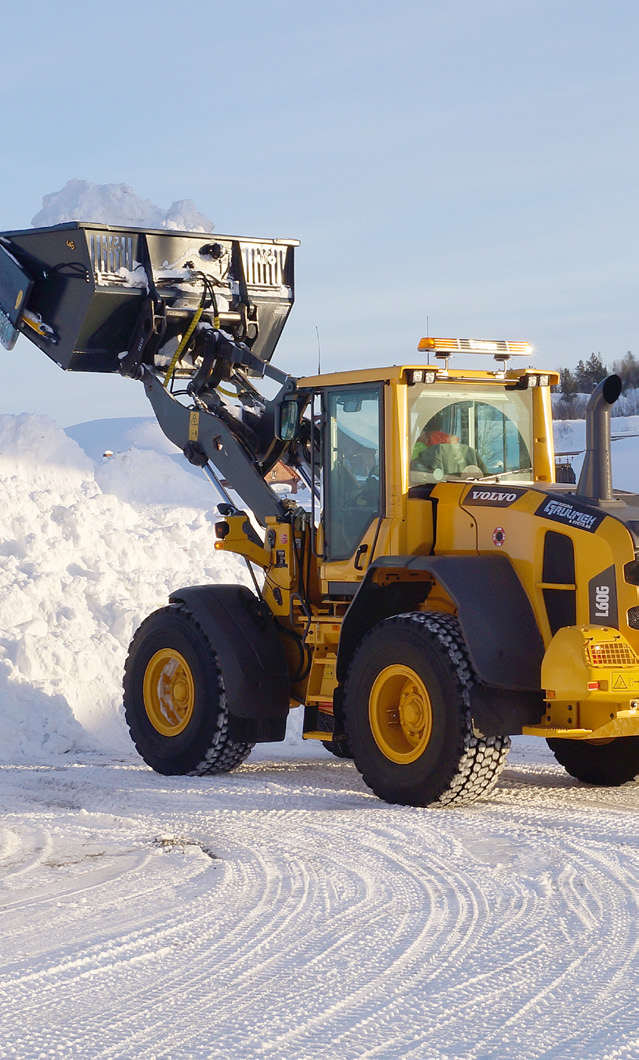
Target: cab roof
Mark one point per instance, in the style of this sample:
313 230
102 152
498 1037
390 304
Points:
400 373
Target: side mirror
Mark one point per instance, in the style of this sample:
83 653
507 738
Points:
287 420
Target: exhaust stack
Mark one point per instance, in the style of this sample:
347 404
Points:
595 480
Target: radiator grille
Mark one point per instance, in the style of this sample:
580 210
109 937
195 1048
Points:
610 653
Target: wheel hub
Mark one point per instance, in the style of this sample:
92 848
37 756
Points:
411 712
169 692
400 713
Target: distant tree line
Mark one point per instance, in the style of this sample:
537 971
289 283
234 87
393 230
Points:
576 385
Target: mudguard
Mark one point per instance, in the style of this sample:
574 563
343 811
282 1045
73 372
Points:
242 632
495 614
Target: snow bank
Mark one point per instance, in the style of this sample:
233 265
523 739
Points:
119 434
117 204
143 467
145 477
82 564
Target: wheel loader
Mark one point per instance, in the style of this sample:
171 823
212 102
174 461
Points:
437 593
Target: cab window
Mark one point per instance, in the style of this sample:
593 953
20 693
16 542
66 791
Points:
472 435
353 481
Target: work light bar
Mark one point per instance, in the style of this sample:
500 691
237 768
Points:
497 347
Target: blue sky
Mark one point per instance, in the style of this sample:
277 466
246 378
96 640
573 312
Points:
470 162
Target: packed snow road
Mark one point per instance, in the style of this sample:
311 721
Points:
282 912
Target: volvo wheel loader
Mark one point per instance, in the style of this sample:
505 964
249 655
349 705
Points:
439 592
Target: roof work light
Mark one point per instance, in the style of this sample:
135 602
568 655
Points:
497 347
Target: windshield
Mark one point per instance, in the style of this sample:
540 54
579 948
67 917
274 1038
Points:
469 432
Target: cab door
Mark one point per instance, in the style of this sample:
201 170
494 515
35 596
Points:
353 482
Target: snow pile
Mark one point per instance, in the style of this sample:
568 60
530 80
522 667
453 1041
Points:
140 476
119 434
143 466
81 567
117 204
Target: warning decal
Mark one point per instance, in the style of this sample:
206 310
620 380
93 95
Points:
625 683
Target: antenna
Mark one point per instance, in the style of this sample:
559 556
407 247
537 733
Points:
319 352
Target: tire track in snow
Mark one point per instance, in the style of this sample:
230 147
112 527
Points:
26 850
599 962
311 938
371 987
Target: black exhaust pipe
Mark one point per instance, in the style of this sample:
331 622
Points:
595 480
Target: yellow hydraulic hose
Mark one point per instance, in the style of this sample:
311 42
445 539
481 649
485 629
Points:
185 338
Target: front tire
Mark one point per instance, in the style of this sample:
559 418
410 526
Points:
174 699
607 763
407 713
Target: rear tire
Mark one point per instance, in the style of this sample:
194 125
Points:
407 713
339 748
174 699
607 764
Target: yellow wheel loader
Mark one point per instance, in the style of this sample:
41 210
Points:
438 593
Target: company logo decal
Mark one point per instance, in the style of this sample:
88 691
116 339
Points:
493 496
561 511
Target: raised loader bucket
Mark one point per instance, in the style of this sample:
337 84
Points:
78 290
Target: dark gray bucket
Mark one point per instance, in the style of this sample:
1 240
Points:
83 286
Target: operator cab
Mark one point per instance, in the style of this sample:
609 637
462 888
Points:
389 430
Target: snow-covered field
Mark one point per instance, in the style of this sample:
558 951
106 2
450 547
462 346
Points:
281 911
570 437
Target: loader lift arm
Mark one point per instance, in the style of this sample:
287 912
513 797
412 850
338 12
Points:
206 435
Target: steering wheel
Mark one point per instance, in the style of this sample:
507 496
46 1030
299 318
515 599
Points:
471 471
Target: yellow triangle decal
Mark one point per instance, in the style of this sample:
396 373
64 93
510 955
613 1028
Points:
620 683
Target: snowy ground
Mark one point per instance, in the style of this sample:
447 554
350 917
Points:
282 911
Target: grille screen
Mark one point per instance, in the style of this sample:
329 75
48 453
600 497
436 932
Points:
110 253
633 617
8 333
631 572
263 264
610 653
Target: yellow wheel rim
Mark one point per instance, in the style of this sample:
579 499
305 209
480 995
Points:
169 692
400 714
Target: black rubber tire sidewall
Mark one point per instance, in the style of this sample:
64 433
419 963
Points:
173 755
607 765
338 748
424 780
